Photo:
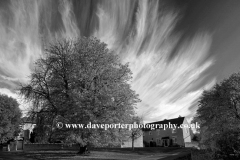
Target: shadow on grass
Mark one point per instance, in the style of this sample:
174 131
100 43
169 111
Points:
101 153
140 151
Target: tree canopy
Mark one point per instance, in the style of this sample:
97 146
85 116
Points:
219 113
10 118
77 81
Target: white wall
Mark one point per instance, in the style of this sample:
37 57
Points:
187 136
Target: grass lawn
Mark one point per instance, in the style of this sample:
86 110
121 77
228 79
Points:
107 154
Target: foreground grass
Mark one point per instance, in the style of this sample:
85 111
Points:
108 154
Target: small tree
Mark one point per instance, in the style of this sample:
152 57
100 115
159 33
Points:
135 133
10 118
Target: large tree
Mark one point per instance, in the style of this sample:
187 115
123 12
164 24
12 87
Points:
219 113
10 118
77 81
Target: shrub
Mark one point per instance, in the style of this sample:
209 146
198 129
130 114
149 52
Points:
202 154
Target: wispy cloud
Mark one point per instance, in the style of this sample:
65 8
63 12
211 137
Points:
165 88
140 32
23 37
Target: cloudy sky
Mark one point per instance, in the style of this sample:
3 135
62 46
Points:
176 48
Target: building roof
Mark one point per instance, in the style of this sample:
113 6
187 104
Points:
178 121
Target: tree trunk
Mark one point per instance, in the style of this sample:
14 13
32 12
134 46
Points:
83 149
80 149
51 130
133 143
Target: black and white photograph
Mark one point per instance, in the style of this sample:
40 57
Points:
120 79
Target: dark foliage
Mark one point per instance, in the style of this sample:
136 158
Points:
10 118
